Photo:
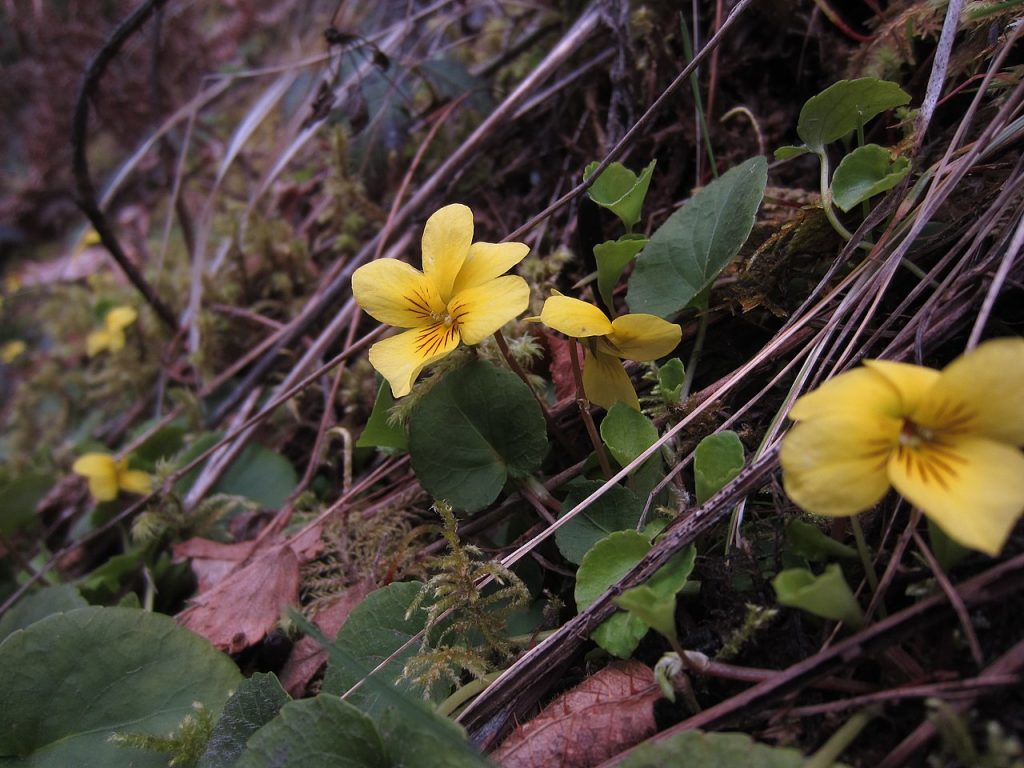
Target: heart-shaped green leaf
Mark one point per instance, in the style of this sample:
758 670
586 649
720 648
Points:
864 173
688 252
38 606
671 377
620 190
71 680
627 433
717 460
618 509
839 109
475 429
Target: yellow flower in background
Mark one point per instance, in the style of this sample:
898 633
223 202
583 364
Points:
629 337
108 476
111 336
12 350
947 441
460 295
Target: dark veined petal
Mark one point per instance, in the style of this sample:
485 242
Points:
395 293
478 312
401 358
980 393
971 486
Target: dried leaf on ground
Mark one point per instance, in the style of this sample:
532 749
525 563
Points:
308 655
561 366
605 714
242 608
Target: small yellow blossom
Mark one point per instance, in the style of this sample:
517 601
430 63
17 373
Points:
629 337
108 476
462 294
111 336
947 440
12 350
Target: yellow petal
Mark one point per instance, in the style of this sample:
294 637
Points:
971 486
836 465
913 382
401 358
12 350
980 393
134 481
606 382
115 340
119 318
446 240
96 342
100 470
574 317
395 293
487 261
641 337
861 390
480 311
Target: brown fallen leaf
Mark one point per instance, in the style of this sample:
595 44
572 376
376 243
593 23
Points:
608 712
239 610
211 560
308 655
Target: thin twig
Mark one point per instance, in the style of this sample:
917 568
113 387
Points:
86 192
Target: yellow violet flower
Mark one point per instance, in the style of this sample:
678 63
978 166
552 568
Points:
460 295
946 440
629 337
111 336
12 350
108 476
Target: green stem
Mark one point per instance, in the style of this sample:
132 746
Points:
518 369
695 87
584 406
465 693
698 346
841 739
865 556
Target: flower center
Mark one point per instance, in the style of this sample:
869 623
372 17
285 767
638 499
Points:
914 435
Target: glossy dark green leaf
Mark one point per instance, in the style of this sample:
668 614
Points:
375 629
379 433
717 460
71 680
688 252
839 109
323 731
256 702
864 173
474 430
39 605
